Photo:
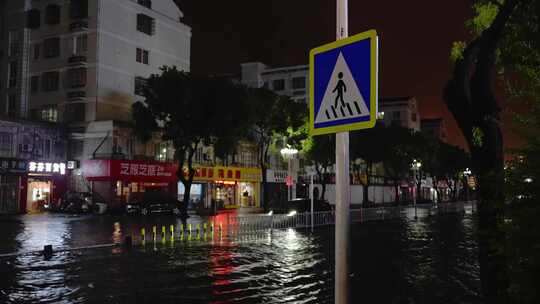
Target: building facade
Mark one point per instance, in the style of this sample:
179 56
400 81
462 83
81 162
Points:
83 64
400 111
33 165
434 127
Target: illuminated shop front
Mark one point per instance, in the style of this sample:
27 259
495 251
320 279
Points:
121 181
46 184
224 188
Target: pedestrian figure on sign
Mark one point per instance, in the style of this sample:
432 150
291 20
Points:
340 88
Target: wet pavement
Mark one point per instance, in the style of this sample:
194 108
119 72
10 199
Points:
432 260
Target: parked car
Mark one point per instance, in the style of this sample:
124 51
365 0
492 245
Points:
79 202
153 202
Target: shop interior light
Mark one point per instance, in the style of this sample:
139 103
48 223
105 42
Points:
292 213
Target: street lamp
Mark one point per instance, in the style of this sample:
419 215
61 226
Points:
289 153
467 173
415 167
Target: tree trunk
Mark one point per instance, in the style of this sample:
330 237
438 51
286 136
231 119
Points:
323 186
396 187
366 186
264 189
469 96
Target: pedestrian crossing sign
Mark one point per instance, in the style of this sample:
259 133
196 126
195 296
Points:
343 84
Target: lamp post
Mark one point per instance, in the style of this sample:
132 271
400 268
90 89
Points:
467 173
415 167
288 153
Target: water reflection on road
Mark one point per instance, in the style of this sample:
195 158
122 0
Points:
432 260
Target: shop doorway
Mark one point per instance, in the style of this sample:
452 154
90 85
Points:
39 194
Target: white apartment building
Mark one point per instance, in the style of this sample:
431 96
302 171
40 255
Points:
83 63
88 61
290 81
400 111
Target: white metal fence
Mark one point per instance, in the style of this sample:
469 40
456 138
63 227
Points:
257 222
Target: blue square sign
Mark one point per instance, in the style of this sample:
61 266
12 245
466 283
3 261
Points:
343 84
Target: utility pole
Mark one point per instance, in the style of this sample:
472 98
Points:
342 186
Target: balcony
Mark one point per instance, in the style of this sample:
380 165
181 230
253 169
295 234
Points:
77 60
76 95
79 26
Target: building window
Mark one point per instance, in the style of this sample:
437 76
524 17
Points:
49 81
36 51
75 112
299 83
51 47
12 78
160 151
396 115
140 83
146 24
278 84
52 14
49 113
414 117
6 144
77 77
12 105
80 44
142 56
14 43
76 148
47 148
79 9
34 84
145 3
33 19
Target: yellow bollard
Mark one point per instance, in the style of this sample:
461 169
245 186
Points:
154 233
143 234
182 228
212 226
189 228
204 227
172 233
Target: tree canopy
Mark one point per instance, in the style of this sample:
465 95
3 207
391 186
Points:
188 111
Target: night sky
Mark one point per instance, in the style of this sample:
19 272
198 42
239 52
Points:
415 40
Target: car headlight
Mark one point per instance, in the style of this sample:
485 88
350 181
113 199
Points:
271 212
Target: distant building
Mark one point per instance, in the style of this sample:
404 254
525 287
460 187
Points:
290 81
400 111
434 127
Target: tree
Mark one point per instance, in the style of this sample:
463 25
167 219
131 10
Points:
398 152
368 145
188 111
320 152
470 97
270 115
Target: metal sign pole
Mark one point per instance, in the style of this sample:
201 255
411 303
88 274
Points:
311 191
342 187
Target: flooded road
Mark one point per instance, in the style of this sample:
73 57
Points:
432 260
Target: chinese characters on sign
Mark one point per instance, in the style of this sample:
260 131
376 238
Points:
13 165
133 169
47 167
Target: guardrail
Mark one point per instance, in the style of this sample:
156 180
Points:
233 226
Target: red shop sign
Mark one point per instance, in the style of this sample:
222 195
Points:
129 170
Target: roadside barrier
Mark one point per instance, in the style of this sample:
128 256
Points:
240 226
